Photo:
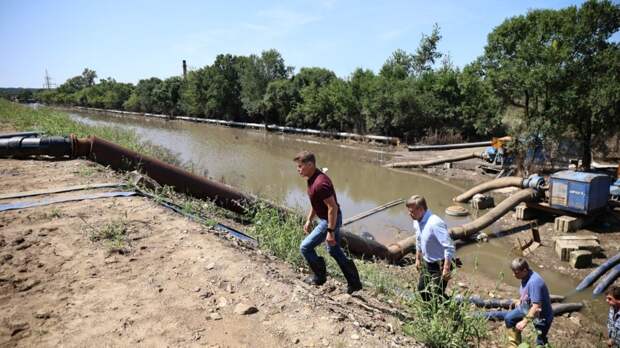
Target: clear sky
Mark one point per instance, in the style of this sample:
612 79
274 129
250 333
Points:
134 39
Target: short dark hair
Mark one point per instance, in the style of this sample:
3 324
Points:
519 264
305 157
416 201
614 292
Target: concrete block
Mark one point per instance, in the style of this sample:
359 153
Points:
563 247
566 224
580 258
480 201
524 213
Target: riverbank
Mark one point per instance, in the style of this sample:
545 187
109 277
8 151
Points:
175 282
381 283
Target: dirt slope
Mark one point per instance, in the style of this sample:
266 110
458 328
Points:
178 284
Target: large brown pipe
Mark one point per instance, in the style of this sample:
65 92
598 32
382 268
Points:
488 186
117 157
467 230
432 162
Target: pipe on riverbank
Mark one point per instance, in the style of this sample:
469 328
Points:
422 164
599 271
23 146
469 229
118 157
498 302
394 141
607 280
533 181
448 146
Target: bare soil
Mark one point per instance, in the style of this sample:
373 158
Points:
176 284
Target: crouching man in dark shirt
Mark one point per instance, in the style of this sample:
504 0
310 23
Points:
324 206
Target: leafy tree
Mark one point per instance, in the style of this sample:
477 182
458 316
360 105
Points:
560 68
280 98
222 94
399 66
427 53
363 87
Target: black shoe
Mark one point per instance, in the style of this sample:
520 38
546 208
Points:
320 272
353 278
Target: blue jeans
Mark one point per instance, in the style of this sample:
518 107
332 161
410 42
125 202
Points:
318 236
511 318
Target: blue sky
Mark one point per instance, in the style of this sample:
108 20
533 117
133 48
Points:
131 40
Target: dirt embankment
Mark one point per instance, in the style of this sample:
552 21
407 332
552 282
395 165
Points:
176 284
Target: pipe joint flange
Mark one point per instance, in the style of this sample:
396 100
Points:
534 181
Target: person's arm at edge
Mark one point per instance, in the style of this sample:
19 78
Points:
443 236
309 218
332 216
531 314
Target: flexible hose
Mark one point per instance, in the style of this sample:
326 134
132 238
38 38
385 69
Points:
465 231
599 271
488 186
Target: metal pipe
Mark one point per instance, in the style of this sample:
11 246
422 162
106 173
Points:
413 164
26 146
467 230
448 146
117 157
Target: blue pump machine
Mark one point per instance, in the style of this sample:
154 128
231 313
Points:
579 192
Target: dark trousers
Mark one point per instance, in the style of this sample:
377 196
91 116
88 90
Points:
431 283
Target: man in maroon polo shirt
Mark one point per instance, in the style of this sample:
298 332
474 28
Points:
325 207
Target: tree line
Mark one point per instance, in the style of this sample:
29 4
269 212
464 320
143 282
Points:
546 74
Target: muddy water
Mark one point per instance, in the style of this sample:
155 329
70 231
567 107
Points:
260 163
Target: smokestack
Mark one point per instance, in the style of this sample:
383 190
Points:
184 69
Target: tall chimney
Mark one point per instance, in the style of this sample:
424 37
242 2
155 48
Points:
184 69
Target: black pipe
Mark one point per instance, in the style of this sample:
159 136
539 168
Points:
19 134
607 280
25 146
599 271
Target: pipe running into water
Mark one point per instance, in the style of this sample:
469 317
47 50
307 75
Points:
597 273
469 229
488 186
118 157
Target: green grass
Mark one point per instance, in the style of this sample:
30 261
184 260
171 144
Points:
435 322
445 322
56 123
113 234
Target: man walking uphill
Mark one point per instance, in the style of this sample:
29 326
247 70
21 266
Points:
325 207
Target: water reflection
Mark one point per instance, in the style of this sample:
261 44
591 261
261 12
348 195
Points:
261 163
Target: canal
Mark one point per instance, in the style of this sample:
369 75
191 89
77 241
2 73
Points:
261 163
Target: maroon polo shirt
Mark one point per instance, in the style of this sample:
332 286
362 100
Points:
320 188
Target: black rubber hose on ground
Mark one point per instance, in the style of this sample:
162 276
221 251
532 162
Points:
598 272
